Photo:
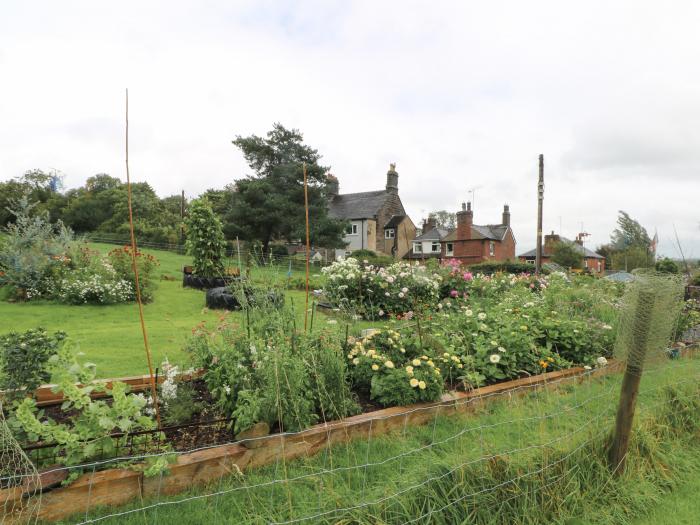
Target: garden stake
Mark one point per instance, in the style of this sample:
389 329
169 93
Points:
247 316
134 266
308 246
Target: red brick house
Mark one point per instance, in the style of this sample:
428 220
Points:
474 243
592 261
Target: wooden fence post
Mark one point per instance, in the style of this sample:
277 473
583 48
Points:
630 382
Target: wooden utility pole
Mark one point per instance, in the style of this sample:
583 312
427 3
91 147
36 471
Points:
630 382
540 198
182 217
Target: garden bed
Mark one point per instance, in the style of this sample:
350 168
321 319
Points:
209 463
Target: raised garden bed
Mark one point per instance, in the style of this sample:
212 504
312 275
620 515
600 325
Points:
118 486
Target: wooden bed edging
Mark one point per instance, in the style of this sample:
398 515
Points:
119 486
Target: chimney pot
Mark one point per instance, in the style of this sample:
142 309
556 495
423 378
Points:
392 179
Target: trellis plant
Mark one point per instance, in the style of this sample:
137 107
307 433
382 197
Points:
205 239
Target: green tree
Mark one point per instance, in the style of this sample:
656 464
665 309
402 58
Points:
566 254
205 239
269 205
629 233
631 258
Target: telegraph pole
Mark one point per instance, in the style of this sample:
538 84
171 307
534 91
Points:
540 198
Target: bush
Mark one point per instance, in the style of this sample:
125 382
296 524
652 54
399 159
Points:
372 292
24 360
205 239
373 258
489 268
33 249
666 265
121 260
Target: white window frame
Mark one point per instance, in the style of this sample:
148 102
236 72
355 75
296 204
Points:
389 233
352 228
417 247
492 248
599 266
530 261
585 263
435 244
449 248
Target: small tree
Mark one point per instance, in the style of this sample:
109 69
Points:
205 239
566 255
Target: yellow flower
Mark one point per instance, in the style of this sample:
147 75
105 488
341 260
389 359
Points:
375 367
460 365
430 362
409 370
437 371
355 361
523 328
416 362
388 364
403 350
421 385
413 382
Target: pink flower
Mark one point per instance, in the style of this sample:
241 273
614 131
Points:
468 276
532 285
454 293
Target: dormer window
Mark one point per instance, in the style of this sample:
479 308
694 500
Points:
389 233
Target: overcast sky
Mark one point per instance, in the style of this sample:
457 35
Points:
461 95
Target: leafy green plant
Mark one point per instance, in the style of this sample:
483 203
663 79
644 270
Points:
24 360
88 432
121 260
205 239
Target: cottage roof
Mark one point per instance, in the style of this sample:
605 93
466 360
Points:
436 234
588 254
494 232
362 205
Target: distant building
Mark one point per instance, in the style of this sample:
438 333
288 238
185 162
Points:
592 261
377 219
469 243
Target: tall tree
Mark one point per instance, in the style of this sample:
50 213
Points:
629 233
269 205
567 255
445 219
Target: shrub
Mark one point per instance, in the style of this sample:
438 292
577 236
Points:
205 239
121 260
32 250
666 265
24 360
373 292
373 258
489 268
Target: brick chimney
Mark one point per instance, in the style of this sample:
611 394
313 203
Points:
550 240
332 186
392 179
429 224
465 219
506 215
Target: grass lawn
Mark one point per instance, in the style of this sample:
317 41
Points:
110 336
530 460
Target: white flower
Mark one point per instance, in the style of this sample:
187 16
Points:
388 364
375 367
332 321
494 358
404 289
227 389
468 313
601 361
587 367
501 349
481 316
400 295
387 294
409 370
413 382
381 313
421 385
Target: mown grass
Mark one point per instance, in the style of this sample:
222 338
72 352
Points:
110 336
539 458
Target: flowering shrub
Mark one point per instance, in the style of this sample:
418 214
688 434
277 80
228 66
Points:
373 292
391 370
121 260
